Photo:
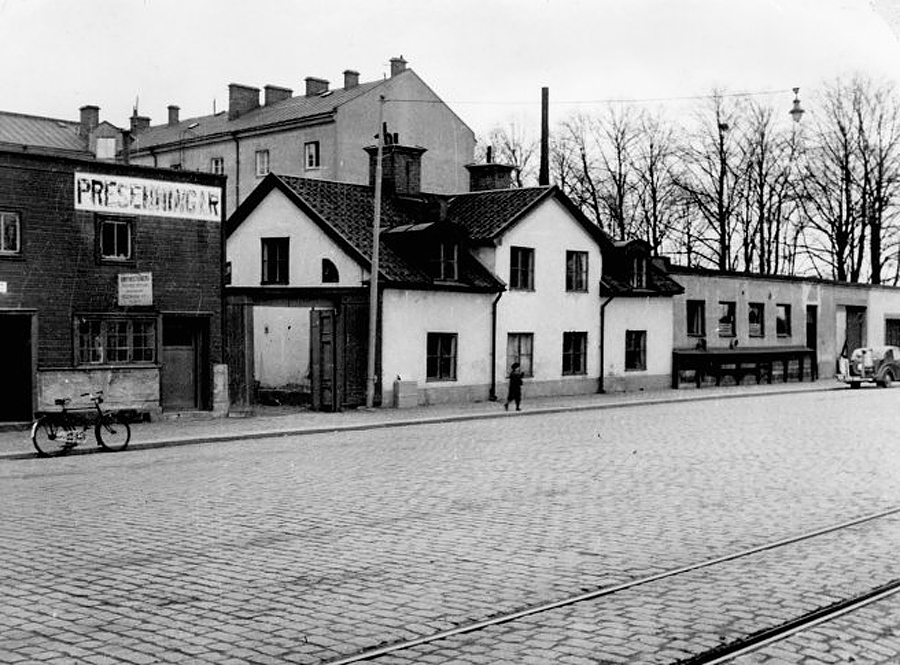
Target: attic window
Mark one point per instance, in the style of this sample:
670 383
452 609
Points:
330 273
445 265
639 272
106 148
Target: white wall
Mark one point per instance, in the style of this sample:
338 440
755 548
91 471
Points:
884 303
653 315
549 310
275 217
281 346
408 317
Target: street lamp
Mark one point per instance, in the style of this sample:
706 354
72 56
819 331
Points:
796 111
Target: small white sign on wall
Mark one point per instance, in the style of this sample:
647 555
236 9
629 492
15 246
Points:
2 287
135 289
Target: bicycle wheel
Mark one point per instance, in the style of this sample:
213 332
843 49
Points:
112 434
49 438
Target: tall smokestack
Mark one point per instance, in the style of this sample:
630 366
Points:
544 174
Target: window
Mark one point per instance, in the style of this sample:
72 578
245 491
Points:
783 320
756 319
329 272
521 268
217 165
520 349
639 272
311 155
577 271
574 353
441 361
275 260
9 233
228 272
106 148
446 262
115 239
726 319
696 318
262 162
635 350
115 340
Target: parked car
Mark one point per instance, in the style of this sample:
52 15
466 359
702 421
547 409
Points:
876 364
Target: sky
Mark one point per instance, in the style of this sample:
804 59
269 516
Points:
488 59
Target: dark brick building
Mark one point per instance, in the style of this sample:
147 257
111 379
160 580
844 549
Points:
110 279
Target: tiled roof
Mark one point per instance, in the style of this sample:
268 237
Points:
43 133
486 214
348 209
294 108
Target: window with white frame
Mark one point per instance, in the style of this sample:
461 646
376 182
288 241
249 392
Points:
576 271
696 318
727 318
521 268
783 320
10 233
102 340
639 272
756 319
574 354
217 165
115 238
275 256
311 155
262 162
635 350
441 357
520 349
445 266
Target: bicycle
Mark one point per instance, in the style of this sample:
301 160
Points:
56 433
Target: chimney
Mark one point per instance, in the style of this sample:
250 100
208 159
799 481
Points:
241 99
544 171
315 86
274 94
489 176
90 118
401 168
173 114
351 79
397 65
139 123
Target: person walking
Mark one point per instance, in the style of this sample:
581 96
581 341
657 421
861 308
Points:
516 376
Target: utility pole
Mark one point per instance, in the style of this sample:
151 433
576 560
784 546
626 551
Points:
373 276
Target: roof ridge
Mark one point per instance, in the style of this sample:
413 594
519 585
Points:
325 180
39 117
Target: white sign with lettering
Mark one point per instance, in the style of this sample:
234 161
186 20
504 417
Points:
2 287
135 289
142 196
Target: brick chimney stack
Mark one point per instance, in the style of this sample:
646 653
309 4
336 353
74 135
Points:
489 176
173 114
401 168
315 86
351 79
398 65
139 123
241 99
274 94
90 118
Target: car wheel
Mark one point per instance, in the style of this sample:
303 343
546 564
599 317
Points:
887 380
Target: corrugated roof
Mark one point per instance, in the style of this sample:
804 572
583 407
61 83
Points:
40 132
294 108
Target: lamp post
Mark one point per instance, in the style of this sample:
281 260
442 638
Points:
796 110
373 276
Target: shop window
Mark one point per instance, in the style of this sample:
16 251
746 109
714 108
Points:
756 319
10 233
441 357
696 318
520 349
275 260
574 355
576 271
115 238
783 320
726 319
521 268
262 162
115 341
330 273
635 350
445 266
311 155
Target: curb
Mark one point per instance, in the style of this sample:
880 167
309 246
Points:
433 420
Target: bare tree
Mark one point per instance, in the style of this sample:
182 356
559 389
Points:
574 138
513 145
615 138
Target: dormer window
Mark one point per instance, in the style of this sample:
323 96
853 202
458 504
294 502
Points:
330 273
446 263
639 272
106 148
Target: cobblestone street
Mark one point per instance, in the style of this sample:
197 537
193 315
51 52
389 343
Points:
309 549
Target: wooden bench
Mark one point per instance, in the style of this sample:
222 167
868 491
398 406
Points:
740 362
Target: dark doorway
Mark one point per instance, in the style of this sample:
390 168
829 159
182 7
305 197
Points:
183 363
892 332
812 337
322 360
856 328
15 359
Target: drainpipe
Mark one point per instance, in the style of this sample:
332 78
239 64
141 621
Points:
600 388
492 393
237 170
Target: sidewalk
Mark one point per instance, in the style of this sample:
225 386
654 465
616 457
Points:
291 421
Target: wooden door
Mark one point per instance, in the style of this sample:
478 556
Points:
322 359
182 364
